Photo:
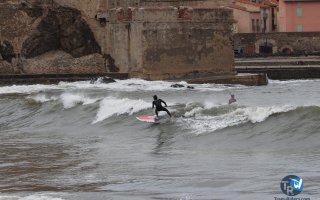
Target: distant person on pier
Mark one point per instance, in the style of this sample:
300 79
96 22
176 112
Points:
158 104
232 99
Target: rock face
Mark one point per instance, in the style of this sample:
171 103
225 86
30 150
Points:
149 39
31 29
60 62
61 29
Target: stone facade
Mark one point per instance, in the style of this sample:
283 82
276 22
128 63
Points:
170 42
291 43
176 3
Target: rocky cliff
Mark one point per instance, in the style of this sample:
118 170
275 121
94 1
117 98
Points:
34 29
149 39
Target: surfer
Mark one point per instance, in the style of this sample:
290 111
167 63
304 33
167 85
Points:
158 104
232 99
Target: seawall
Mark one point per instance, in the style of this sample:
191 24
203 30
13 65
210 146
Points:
281 68
284 73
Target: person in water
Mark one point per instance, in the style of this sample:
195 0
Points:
158 104
232 99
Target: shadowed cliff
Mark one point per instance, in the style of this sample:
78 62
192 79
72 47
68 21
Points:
32 30
61 29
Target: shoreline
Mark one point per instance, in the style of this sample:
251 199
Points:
20 79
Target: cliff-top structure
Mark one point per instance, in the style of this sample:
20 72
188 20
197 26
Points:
147 38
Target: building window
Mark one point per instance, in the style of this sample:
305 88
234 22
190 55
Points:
299 28
299 12
299 9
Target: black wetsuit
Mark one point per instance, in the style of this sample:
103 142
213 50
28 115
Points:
159 107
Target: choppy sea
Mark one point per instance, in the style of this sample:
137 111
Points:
82 141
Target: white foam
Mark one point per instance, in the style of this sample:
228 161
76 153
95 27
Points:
42 98
71 100
30 197
111 106
119 85
196 110
125 85
216 87
201 123
193 112
259 114
293 81
143 85
25 89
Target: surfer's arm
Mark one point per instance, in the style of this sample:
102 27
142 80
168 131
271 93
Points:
153 104
164 102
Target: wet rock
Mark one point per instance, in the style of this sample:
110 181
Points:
190 87
177 85
102 80
93 80
107 80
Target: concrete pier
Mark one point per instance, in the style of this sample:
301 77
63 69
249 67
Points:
281 68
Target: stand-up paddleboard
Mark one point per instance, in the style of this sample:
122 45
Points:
153 119
150 119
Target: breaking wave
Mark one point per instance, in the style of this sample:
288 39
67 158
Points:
68 100
197 117
202 119
42 98
110 106
71 100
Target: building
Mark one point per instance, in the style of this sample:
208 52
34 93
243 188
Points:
299 15
269 16
149 39
193 3
155 39
253 16
247 16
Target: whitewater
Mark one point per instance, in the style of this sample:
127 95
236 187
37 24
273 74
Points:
82 141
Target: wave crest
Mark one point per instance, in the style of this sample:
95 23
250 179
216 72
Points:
110 106
201 119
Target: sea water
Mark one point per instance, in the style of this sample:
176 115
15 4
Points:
82 141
